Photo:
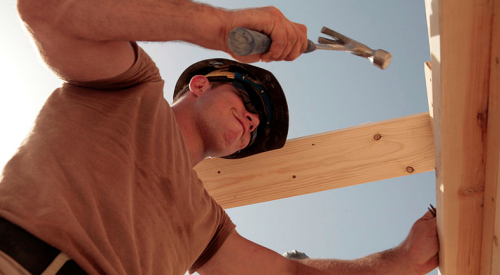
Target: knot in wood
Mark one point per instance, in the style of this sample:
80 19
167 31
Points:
467 192
482 120
410 169
377 137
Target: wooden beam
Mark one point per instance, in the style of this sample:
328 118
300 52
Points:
428 83
356 155
490 253
490 249
464 91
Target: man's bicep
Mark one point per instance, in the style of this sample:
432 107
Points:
89 60
240 256
76 59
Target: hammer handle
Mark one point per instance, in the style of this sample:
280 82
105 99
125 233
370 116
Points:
245 42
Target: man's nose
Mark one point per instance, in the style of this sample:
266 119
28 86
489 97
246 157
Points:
253 120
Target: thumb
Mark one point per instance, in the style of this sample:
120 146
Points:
429 265
246 59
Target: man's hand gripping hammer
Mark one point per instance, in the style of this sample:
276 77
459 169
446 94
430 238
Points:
245 42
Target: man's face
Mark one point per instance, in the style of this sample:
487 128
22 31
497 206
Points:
225 124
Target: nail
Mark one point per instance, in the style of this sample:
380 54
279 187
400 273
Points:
432 210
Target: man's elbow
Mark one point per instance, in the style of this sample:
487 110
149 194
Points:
34 13
291 267
25 9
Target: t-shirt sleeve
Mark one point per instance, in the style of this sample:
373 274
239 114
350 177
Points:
224 229
143 70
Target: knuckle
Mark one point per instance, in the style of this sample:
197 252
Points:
275 11
293 37
278 47
302 27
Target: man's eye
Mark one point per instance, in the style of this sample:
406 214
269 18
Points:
251 108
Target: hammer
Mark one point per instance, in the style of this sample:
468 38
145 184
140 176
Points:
244 42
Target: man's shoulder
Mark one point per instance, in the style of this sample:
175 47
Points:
143 71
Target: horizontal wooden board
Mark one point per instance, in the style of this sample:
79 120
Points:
336 159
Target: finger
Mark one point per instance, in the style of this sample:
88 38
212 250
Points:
279 41
428 215
246 59
290 51
433 262
301 43
291 42
305 40
427 266
286 46
295 52
278 35
274 52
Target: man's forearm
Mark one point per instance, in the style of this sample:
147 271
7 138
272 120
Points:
389 262
131 20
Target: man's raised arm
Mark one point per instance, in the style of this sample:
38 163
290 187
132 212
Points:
417 255
84 40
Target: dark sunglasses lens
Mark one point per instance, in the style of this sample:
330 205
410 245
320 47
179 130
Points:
246 98
254 136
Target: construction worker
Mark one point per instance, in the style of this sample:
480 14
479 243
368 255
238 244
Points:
104 182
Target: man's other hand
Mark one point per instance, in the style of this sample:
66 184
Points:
422 245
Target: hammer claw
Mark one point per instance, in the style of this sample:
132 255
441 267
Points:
340 42
323 40
337 36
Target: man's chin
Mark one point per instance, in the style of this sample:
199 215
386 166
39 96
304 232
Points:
223 153
220 152
226 148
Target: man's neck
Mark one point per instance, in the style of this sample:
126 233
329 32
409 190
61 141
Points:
190 133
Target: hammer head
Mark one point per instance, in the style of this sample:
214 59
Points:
381 59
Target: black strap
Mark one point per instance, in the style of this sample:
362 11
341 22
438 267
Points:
30 252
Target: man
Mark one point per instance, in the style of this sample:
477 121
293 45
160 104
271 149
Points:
104 183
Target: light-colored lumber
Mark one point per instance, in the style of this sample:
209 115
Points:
346 157
433 74
428 83
465 133
490 254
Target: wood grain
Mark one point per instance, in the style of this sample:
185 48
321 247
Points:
465 138
490 252
336 159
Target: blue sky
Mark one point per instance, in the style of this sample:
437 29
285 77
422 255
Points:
326 90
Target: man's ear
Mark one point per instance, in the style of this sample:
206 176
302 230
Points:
199 84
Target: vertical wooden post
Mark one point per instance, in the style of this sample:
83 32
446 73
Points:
465 87
490 254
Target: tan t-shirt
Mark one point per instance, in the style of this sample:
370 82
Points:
105 176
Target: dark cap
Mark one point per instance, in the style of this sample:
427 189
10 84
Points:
263 90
